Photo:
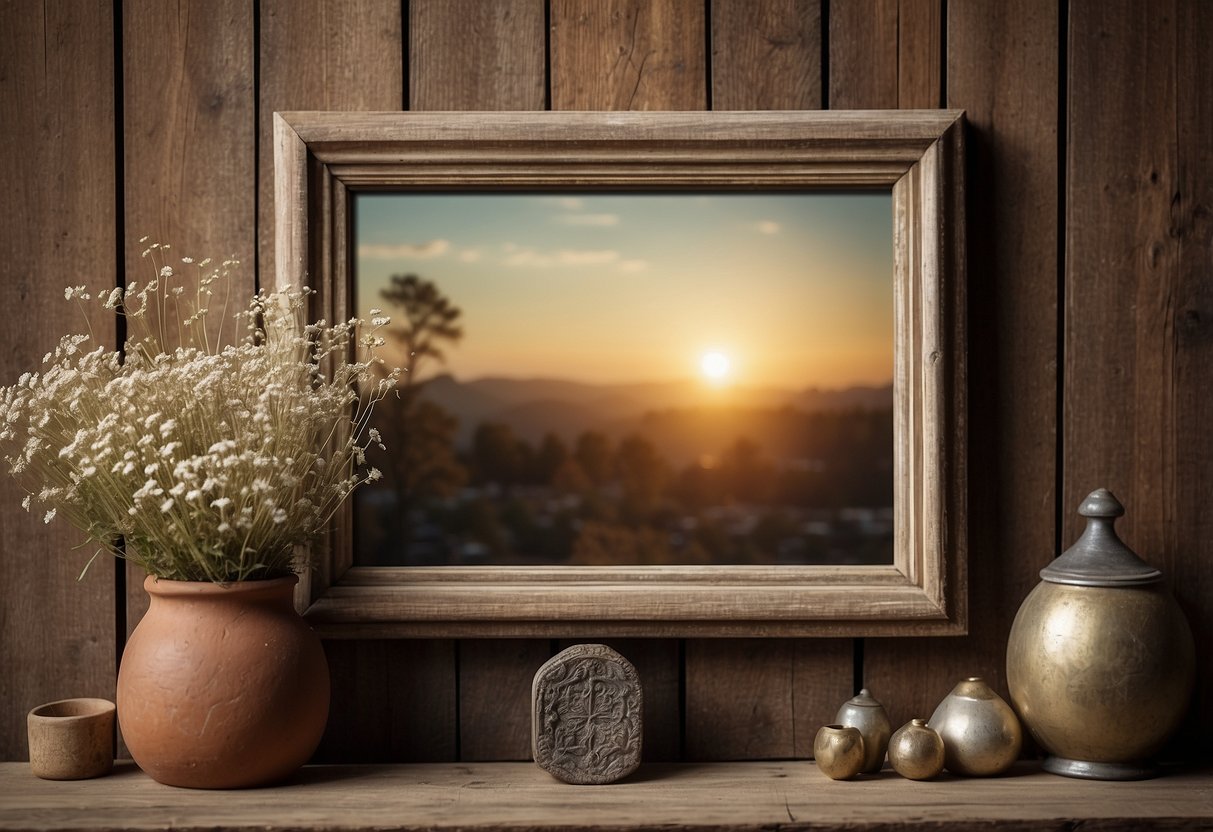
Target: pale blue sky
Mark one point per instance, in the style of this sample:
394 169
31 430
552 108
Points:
796 289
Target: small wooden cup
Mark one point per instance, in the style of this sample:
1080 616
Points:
72 739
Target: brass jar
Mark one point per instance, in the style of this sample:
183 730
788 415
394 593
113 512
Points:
916 751
838 751
1100 660
869 716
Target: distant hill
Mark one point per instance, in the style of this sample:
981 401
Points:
533 407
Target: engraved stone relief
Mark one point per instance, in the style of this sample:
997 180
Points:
586 715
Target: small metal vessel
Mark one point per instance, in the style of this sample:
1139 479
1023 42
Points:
869 716
1100 659
838 750
916 751
981 734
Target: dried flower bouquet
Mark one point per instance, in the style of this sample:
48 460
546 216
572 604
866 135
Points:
204 461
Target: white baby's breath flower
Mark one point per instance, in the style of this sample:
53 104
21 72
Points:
94 420
26 501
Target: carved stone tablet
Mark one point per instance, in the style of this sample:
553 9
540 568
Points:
585 715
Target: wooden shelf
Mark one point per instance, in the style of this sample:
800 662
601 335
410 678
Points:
516 796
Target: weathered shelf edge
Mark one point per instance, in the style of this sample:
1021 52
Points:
514 796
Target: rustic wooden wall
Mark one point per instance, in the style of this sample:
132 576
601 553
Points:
1090 266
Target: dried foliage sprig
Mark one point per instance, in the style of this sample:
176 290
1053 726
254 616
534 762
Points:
204 461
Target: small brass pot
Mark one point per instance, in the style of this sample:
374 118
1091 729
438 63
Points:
1100 659
916 751
869 716
981 734
838 750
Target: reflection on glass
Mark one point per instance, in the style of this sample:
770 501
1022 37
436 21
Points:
631 379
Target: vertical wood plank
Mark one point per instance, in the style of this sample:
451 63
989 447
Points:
739 702
57 196
321 55
920 52
188 150
657 664
1193 218
1003 70
471 55
397 702
823 677
766 55
751 699
337 55
495 697
1138 313
863 55
628 55
484 56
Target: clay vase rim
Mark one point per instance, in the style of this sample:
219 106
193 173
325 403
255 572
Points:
249 590
74 709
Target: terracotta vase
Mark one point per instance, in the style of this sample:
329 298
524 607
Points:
222 686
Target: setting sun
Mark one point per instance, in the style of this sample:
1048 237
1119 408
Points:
715 366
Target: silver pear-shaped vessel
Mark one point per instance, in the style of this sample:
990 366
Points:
869 716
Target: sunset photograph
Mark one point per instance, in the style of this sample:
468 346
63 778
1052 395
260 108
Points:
620 379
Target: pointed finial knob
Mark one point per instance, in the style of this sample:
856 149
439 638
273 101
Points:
1101 503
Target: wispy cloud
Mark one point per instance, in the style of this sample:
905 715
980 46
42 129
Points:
534 258
633 266
405 251
768 227
571 203
470 255
587 219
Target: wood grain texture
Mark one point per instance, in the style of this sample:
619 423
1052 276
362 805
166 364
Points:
1138 322
863 55
188 149
472 55
57 197
495 697
392 701
740 700
920 53
321 55
628 55
728 797
1193 218
659 666
1003 70
766 54
750 699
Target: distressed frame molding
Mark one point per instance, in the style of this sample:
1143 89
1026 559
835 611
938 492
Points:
321 159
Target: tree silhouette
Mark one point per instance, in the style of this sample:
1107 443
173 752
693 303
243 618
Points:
430 319
421 433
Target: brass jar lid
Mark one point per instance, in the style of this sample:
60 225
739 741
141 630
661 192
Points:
1099 557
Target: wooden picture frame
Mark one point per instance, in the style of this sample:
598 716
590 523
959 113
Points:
321 159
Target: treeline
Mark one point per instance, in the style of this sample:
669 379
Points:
597 500
834 459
